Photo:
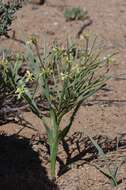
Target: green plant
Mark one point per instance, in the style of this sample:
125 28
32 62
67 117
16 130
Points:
9 72
7 11
75 13
110 173
64 78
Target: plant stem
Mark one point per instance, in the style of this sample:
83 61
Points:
53 154
53 142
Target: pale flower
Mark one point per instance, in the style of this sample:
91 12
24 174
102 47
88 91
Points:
63 76
20 90
29 76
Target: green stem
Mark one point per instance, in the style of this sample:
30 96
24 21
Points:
53 138
53 154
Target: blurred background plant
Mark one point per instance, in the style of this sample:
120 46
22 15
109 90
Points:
7 12
75 13
9 74
64 78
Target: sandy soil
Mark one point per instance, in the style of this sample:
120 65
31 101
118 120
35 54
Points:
106 115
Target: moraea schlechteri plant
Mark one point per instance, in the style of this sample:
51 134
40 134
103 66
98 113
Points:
65 78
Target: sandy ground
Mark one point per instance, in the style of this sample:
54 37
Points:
107 115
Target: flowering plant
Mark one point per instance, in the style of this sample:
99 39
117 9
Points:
64 78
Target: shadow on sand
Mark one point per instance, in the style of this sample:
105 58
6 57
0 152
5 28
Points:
20 167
